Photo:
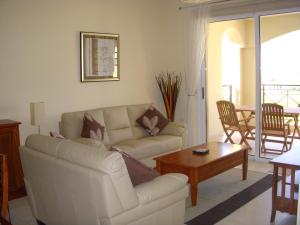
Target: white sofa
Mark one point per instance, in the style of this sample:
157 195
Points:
69 183
122 131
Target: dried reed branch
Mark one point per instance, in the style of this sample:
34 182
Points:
169 85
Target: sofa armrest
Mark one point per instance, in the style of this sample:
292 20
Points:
175 129
161 186
88 141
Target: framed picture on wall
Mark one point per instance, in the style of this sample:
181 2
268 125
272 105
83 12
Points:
99 56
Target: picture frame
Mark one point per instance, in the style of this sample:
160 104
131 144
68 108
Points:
99 57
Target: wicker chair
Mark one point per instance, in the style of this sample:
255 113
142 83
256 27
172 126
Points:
231 123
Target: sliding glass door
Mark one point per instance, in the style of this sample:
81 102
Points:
280 74
252 61
231 74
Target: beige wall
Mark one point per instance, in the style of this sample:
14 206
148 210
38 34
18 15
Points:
39 58
248 65
274 26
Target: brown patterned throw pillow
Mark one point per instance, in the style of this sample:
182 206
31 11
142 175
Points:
91 128
138 172
152 121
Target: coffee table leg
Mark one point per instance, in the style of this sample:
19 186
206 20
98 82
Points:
194 194
245 164
158 168
274 192
193 185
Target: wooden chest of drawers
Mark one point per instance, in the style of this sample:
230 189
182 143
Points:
9 145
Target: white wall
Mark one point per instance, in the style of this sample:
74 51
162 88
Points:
39 59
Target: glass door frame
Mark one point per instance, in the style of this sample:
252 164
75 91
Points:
256 16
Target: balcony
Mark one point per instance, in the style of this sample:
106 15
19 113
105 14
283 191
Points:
282 94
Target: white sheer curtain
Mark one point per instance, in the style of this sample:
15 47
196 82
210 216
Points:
195 34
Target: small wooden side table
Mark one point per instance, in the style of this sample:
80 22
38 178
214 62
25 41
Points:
285 199
9 145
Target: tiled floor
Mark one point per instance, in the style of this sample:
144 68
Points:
236 138
218 189
20 212
256 212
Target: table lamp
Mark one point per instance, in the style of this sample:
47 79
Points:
37 111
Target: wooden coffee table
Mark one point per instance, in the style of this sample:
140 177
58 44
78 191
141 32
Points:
221 157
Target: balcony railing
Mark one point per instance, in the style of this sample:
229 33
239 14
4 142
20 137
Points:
282 94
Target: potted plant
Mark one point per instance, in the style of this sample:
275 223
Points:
169 85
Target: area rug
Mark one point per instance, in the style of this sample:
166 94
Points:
222 195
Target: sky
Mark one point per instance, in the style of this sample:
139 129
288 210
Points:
281 59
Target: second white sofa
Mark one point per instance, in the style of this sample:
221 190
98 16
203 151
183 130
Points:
122 131
69 183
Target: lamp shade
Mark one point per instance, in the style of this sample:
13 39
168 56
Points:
37 111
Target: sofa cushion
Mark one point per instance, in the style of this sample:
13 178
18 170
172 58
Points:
167 142
117 124
92 128
44 144
168 183
116 118
88 141
138 172
140 148
134 112
152 121
150 146
96 158
175 129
